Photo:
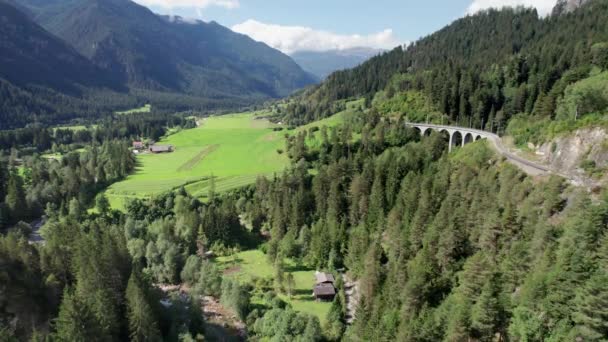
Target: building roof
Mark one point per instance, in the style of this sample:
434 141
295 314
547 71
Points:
161 148
324 277
324 290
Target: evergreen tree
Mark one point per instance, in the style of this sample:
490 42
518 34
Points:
143 325
15 197
591 311
102 204
76 322
486 313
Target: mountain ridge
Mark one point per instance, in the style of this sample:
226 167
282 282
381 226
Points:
323 63
136 55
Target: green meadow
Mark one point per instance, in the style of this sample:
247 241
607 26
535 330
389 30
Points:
248 265
233 149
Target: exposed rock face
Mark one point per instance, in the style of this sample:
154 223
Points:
565 6
571 154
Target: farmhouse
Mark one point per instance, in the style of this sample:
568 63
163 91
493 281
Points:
324 287
138 145
161 148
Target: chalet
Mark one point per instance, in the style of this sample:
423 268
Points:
322 278
161 148
324 289
138 145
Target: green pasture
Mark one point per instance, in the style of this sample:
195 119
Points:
331 121
233 149
248 265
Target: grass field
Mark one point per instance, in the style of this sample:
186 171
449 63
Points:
145 109
251 264
234 149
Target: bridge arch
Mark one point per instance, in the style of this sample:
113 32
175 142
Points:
468 138
447 135
456 139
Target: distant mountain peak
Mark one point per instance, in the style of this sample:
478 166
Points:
566 6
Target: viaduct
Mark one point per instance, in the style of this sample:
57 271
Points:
460 136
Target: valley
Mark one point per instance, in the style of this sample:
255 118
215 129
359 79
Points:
233 150
184 182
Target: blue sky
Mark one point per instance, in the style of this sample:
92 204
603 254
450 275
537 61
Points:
328 24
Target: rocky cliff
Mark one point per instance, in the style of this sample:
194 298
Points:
583 154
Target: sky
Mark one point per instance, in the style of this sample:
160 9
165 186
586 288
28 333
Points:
321 25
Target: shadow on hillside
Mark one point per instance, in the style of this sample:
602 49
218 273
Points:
216 332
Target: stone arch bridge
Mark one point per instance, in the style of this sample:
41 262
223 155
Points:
458 136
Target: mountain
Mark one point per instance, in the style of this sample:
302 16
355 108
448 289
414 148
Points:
169 54
67 59
480 70
323 63
29 55
42 78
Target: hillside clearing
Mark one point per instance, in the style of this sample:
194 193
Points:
145 109
249 265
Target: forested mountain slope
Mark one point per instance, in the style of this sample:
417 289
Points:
94 57
481 69
171 54
41 76
445 246
29 54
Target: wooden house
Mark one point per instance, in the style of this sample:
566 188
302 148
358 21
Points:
138 145
324 289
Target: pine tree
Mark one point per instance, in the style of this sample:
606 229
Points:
15 197
102 204
143 325
290 284
486 313
591 312
279 274
76 322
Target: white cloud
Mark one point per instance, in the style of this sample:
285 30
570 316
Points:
289 39
230 4
544 7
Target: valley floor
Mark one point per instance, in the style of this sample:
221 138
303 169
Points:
232 149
